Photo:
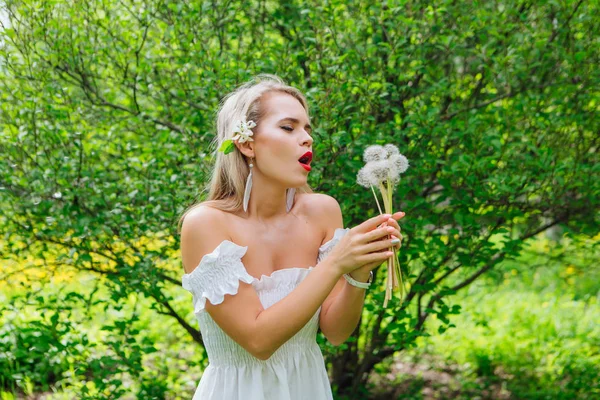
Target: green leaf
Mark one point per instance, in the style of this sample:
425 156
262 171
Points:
227 146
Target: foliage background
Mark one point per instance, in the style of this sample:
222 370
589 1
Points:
106 112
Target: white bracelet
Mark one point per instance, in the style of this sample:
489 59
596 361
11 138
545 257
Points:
362 285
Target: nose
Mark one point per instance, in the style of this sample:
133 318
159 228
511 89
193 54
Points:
308 139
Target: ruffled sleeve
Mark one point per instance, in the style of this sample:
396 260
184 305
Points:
326 248
219 273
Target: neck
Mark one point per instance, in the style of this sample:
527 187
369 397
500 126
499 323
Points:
267 199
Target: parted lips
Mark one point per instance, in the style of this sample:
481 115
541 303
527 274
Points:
306 158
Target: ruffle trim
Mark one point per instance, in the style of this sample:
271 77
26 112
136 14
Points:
217 294
293 276
218 273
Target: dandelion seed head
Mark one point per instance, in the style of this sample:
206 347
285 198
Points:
382 163
399 162
390 150
394 173
369 175
379 171
363 178
373 153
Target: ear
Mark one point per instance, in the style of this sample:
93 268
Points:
246 148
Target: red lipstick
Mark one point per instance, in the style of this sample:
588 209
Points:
305 160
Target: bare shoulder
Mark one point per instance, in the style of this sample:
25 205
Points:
324 210
202 217
202 230
320 202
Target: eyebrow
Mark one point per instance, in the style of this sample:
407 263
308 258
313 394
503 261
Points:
296 121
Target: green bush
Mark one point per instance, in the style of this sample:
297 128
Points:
107 110
534 331
40 340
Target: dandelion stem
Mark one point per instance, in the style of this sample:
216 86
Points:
375 194
384 194
389 192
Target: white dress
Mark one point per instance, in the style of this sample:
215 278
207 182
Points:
296 371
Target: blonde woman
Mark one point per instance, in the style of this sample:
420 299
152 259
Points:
267 260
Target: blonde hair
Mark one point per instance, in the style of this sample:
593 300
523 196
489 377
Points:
228 180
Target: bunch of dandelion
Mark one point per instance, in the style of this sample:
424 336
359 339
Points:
382 170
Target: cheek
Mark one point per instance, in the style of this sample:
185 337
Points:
277 162
277 148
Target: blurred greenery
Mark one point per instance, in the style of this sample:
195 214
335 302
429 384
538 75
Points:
530 332
106 115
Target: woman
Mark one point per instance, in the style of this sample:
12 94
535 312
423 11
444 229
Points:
267 260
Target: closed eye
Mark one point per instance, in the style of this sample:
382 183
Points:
287 128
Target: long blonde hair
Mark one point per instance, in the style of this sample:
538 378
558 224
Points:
228 179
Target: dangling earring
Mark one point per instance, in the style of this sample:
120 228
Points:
290 198
248 187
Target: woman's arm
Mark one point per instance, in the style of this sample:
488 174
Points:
342 308
242 316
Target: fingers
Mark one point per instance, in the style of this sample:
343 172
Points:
396 235
397 241
377 257
398 215
377 234
393 220
396 231
382 232
383 227
394 223
378 246
372 223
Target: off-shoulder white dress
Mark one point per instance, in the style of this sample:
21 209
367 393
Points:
296 371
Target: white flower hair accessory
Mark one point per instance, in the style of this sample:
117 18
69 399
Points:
242 133
242 128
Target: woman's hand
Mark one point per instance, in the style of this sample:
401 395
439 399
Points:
394 223
365 245
362 273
